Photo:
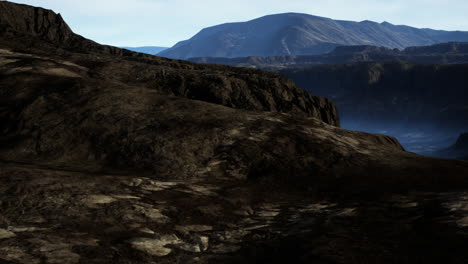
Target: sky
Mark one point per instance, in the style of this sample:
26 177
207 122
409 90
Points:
165 22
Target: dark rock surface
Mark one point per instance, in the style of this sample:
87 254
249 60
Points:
106 158
57 216
302 34
445 53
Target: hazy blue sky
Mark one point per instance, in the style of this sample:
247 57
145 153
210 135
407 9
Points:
164 22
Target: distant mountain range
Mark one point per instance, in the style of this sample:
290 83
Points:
152 50
445 53
302 34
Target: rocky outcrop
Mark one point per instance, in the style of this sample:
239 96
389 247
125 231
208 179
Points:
37 22
26 28
27 24
237 88
63 113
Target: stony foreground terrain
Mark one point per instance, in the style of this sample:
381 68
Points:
58 216
109 156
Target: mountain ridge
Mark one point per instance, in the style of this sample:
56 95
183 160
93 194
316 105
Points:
301 34
443 53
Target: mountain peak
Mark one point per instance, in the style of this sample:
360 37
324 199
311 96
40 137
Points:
301 34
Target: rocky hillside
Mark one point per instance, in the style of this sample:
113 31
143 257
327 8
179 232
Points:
236 88
446 53
109 156
247 89
74 112
302 34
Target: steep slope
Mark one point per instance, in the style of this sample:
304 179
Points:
445 53
301 34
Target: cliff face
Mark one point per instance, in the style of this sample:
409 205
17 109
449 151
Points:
37 22
400 93
237 88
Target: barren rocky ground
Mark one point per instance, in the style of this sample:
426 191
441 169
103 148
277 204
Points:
108 156
58 216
